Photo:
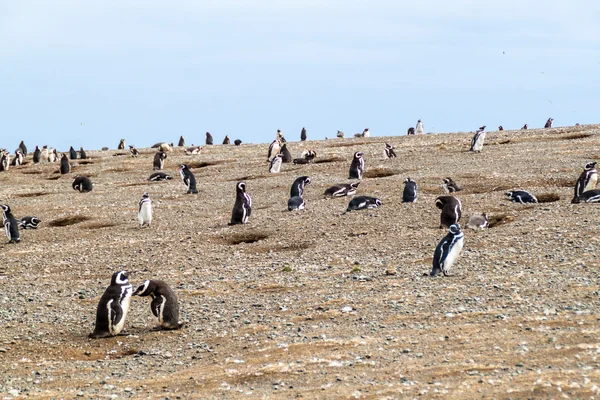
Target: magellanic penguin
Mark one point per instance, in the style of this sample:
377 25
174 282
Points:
478 139
303 135
287 156
478 221
191 151
65 166
226 140
549 123
410 131
181 142
389 151
364 133
237 142
133 151
113 307
44 154
274 148
243 205
18 159
587 180
298 186
306 157
410 194
450 186
500 128
23 148
82 153
121 145
52 155
4 160
447 251
363 203
145 211
357 167
159 160
521 196
280 136
11 226
525 127
340 134
296 203
164 304
37 155
209 139
159 176
82 184
419 128
451 210
341 190
72 153
275 165
188 178
590 196
30 222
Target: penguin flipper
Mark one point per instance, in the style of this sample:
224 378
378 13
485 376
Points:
155 305
116 314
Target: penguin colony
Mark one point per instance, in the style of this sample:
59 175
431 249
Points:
114 304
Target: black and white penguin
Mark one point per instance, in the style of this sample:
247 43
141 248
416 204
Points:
72 153
500 128
478 221
243 205
121 145
419 128
82 153
303 135
23 148
274 148
287 156
549 123
525 127
587 180
237 142
478 139
410 194
590 196
159 160
18 158
306 157
44 154
363 203
340 134
451 210
410 131
160 176
164 304
191 151
296 203
280 136
65 165
447 251
275 165
4 160
145 211
37 155
113 307
30 222
298 186
389 151
364 133
82 183
521 196
226 140
11 226
450 186
133 151
188 178
341 190
209 139
181 142
357 167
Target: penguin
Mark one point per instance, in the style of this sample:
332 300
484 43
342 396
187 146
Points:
287 156
366 133
72 154
274 148
303 135
419 128
243 205
298 186
113 307
82 183
306 157
188 178
133 151
301 161
209 139
477 141
11 227
589 196
159 176
549 123
280 136
121 145
65 166
410 131
37 155
341 190
410 193
30 222
481 128
363 203
181 142
23 148
357 167
52 155
44 154
165 147
478 221
340 134
190 151
164 303
145 211
500 128
18 159
451 210
4 160
447 251
159 160
587 180
82 154
237 142
296 203
521 196
389 151
275 165
226 140
525 127
450 186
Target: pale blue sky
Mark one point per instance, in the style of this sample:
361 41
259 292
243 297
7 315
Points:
150 70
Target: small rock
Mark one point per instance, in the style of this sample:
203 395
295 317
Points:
346 309
390 272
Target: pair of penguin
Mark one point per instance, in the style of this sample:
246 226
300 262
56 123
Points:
283 156
296 201
114 305
12 225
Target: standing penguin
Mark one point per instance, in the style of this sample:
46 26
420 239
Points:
159 160
11 227
133 151
65 166
226 140
274 148
275 165
447 251
450 186
181 141
145 211
500 128
587 180
44 154
72 154
82 153
188 178
389 151
52 155
121 145
164 304
410 193
525 127
209 139
243 205
303 135
549 123
37 155
340 134
287 156
113 307
357 167
451 210
23 148
341 190
478 139
419 128
410 131
298 186
83 184
18 160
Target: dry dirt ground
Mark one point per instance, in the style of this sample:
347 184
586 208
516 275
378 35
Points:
310 304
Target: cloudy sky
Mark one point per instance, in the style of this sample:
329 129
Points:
87 73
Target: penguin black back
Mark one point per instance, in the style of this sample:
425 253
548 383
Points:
164 303
159 160
209 139
357 166
181 142
37 155
226 140
188 178
65 166
451 210
82 153
303 135
23 148
298 186
11 226
410 194
243 205
82 184
341 190
72 153
287 156
237 142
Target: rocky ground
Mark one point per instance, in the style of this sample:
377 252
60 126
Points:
311 304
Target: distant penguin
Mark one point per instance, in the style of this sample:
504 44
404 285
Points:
410 193
419 128
500 128
18 159
525 127
226 140
478 221
237 142
280 136
30 222
159 160
521 196
159 176
549 123
447 251
52 155
82 153
340 134
298 186
209 139
341 190
275 165
121 145
357 167
274 148
82 184
145 211
23 148
65 166
364 133
113 307
389 151
188 178
296 203
133 151
44 154
410 131
164 304
11 226
590 196
477 141
450 186
587 180
451 210
286 155
243 205
37 155
4 160
303 135
72 153
190 151
363 203
181 142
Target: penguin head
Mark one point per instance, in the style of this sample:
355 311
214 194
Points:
144 289
306 180
447 180
454 228
145 195
510 194
358 155
354 185
388 146
120 278
407 180
183 167
590 165
378 202
500 128
241 186
5 207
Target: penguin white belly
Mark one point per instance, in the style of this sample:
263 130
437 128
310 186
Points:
479 142
419 130
145 214
161 310
452 256
591 183
118 327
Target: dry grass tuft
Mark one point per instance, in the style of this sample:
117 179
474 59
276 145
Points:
500 219
118 169
328 160
345 144
84 162
576 136
100 224
380 173
31 172
250 237
53 178
33 194
204 164
548 198
66 221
